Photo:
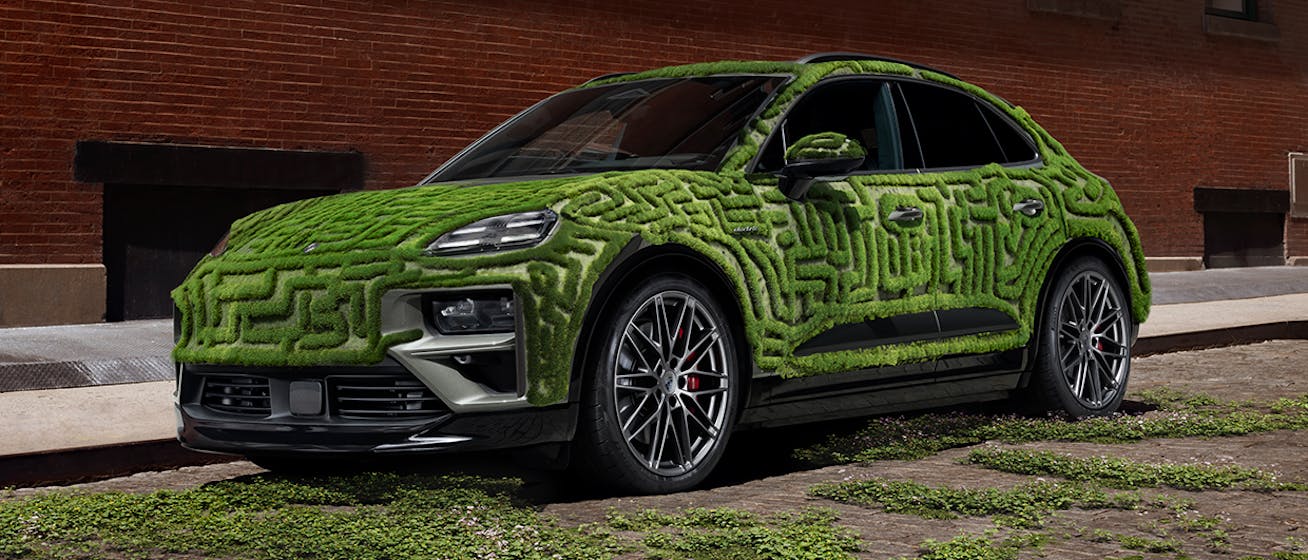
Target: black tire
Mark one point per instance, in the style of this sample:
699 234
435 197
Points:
612 408
1079 331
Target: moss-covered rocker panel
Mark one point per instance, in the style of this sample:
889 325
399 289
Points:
798 268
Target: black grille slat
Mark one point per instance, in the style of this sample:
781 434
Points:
382 396
245 395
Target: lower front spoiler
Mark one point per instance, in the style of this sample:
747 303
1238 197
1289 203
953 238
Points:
204 431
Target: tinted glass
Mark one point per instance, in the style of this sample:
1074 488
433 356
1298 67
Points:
1014 144
912 151
950 127
682 123
859 109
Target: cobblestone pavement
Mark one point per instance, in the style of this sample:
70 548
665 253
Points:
1258 523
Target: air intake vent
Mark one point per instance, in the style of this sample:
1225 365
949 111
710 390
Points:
378 397
237 394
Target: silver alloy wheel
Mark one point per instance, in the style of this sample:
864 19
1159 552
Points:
671 383
1093 339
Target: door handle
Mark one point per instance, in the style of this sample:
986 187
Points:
1030 206
906 214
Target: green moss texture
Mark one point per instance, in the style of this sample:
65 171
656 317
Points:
798 268
824 145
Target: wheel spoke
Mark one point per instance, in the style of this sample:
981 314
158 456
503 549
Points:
658 442
1093 374
1072 352
695 351
682 328
642 341
1099 304
635 413
663 328
696 412
1069 329
681 432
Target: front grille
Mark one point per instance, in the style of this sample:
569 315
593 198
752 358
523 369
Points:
381 396
237 394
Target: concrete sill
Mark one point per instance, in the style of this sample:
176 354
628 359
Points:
1244 29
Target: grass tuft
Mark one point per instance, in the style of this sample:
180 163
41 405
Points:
916 437
1022 506
1126 474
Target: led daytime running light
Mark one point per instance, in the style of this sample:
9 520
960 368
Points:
510 231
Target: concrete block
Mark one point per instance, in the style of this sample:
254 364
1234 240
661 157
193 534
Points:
51 294
1174 264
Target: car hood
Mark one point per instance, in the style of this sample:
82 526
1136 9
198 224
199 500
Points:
404 220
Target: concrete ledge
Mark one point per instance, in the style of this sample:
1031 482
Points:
51 294
1174 264
83 464
1217 338
1297 261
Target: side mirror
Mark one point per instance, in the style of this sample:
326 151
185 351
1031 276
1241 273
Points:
818 155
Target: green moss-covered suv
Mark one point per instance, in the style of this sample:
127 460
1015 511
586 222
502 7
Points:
634 268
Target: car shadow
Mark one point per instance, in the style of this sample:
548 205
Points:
751 455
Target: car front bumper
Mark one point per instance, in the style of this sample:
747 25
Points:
471 432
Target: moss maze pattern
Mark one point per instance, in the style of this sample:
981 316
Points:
798 268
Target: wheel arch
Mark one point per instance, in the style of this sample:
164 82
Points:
637 261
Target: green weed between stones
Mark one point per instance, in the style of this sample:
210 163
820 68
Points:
915 437
726 533
1126 474
388 516
1132 542
358 517
1022 506
981 547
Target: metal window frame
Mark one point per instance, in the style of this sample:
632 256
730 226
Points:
1250 11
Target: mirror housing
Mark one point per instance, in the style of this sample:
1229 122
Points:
824 154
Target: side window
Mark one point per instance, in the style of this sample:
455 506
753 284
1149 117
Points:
1014 144
951 128
862 110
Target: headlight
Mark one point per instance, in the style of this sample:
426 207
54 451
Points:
510 231
221 246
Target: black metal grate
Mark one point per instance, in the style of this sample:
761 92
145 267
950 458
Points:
382 396
237 394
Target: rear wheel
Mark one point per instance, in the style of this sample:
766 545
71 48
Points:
661 401
1083 359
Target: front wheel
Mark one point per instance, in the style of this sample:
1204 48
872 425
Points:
661 401
1083 358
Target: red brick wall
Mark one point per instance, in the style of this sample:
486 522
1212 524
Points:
1151 102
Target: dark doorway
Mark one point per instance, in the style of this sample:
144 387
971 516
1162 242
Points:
153 235
1243 227
1234 239
165 205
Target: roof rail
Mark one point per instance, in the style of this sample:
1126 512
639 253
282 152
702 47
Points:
834 56
607 76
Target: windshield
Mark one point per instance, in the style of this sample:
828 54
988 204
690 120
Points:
678 123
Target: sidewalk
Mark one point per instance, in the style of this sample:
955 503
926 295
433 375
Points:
95 388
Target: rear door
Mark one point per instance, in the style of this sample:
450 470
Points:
991 223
